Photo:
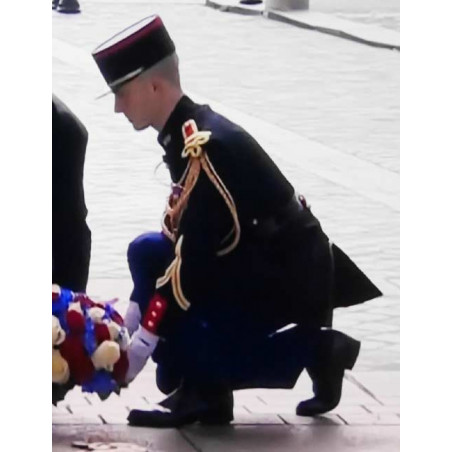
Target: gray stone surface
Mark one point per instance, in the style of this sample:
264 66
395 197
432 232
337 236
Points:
319 438
358 32
295 439
366 397
384 13
381 13
361 28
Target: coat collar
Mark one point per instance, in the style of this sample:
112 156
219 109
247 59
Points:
170 137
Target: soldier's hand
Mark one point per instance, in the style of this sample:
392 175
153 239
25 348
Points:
141 348
132 317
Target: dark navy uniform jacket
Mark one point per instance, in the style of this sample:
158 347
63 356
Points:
283 270
71 237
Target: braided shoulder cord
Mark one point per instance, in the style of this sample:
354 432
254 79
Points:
177 204
194 139
173 273
224 192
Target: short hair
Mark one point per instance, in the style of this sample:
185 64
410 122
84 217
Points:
167 68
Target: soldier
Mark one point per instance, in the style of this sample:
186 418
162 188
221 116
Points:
237 289
71 237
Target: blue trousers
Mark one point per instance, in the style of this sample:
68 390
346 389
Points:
148 255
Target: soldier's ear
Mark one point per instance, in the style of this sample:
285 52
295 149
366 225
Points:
158 85
152 84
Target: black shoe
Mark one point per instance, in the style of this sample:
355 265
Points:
188 405
55 4
68 7
339 352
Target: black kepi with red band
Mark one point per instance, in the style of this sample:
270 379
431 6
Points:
133 50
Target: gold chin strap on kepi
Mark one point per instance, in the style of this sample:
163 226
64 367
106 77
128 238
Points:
198 159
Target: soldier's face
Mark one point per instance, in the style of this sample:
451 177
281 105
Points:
137 101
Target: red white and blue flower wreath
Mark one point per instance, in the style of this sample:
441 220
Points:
89 344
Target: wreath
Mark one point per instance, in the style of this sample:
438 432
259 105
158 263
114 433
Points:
89 345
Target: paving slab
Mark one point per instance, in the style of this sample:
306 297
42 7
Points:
88 418
354 419
379 385
295 438
328 419
263 419
384 409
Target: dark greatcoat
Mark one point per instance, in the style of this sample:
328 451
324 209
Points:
71 237
284 269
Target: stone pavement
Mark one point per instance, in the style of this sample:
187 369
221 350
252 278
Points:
327 111
382 13
371 31
264 420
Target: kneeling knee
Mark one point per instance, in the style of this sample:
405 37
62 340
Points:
144 246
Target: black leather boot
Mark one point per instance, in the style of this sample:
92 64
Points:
68 7
337 353
187 405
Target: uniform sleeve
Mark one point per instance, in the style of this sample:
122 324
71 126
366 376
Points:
204 230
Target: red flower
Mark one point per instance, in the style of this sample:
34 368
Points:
120 368
75 322
102 333
80 365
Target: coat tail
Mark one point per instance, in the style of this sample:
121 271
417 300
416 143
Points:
351 286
